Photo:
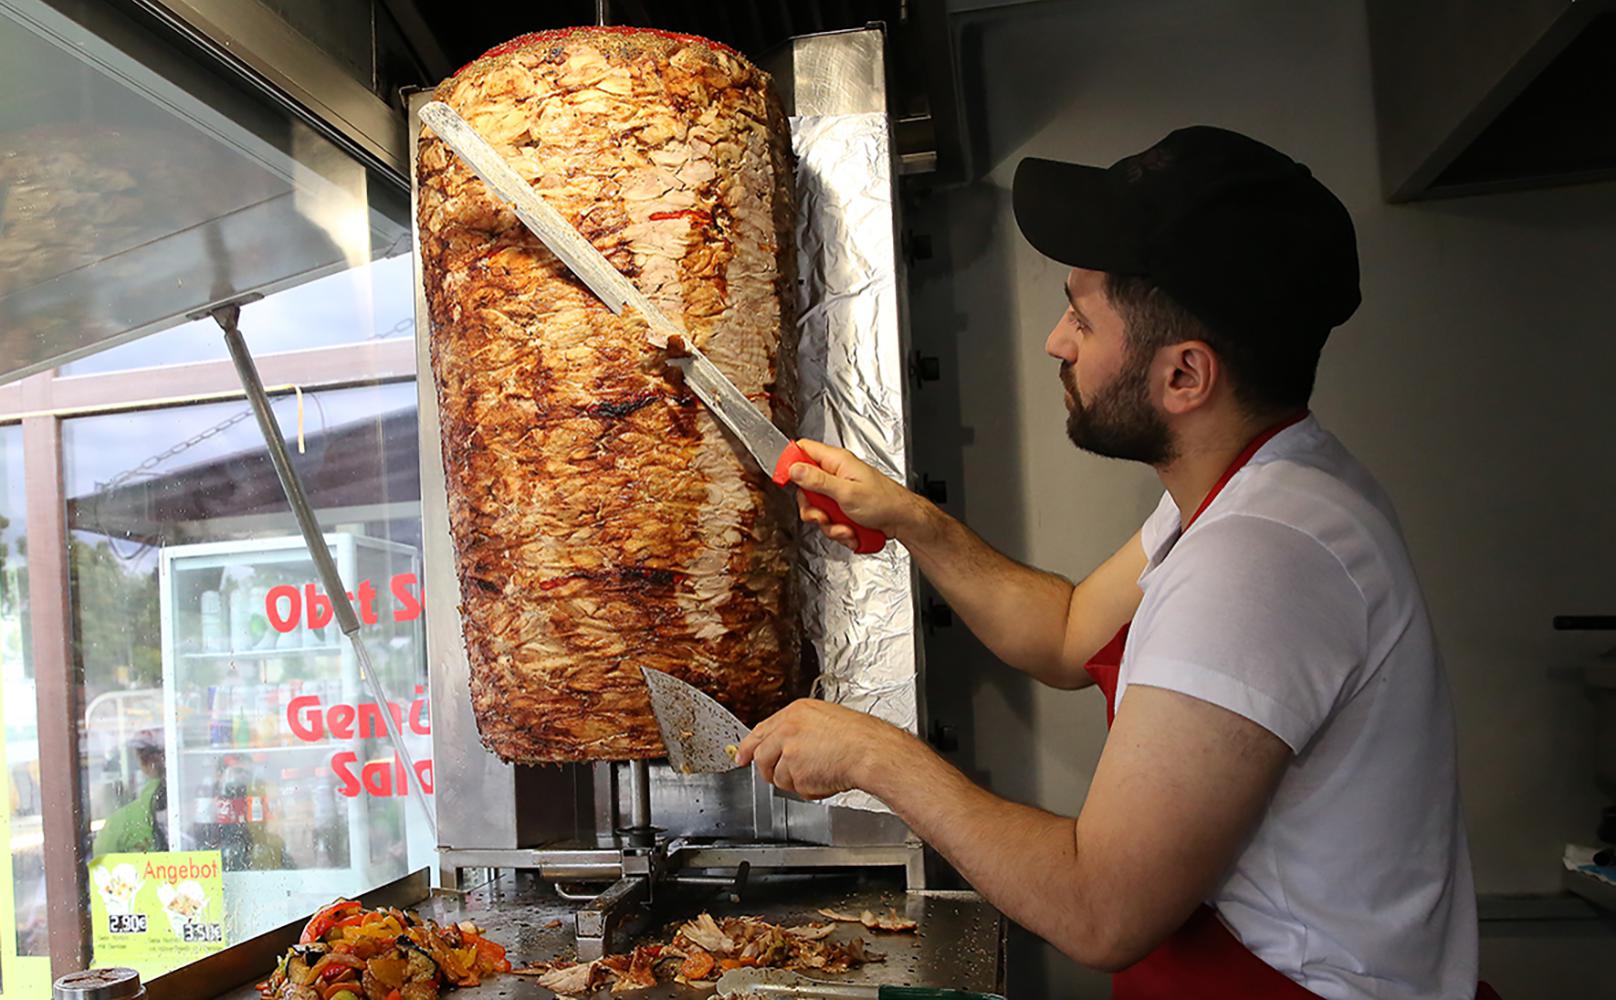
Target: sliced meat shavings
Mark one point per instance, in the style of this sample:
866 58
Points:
572 980
704 949
890 921
748 941
634 971
705 933
830 956
640 970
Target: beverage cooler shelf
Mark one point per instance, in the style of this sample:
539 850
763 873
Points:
265 654
250 751
272 736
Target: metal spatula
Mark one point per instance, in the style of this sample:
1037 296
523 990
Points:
701 734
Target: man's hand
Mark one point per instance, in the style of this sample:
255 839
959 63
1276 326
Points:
864 494
1036 622
815 749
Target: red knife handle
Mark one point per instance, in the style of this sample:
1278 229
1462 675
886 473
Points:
869 539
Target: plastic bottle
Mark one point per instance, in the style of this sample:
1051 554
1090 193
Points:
218 729
233 839
212 622
240 615
258 621
202 807
324 819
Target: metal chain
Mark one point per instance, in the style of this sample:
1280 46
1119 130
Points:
398 329
168 453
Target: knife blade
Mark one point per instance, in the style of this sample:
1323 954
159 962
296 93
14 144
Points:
701 735
770 982
555 232
784 983
773 452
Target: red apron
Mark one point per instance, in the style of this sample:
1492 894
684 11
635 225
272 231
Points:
1202 959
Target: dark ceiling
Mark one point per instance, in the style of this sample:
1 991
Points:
920 80
752 26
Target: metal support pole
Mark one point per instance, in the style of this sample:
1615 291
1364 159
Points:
639 785
602 12
228 317
610 818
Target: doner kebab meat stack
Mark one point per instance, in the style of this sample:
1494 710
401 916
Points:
601 519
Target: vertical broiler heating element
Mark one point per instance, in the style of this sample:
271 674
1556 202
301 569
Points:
601 519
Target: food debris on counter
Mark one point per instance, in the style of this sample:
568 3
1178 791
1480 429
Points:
713 947
349 953
634 971
704 949
890 921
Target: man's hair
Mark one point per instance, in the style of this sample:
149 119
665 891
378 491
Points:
1266 377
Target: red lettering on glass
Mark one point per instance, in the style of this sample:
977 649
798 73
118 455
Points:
272 607
403 588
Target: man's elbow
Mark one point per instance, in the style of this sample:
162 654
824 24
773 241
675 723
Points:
1106 946
1109 957
1065 677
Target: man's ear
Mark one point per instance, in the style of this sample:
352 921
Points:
1189 373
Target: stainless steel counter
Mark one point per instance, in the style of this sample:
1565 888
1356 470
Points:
960 942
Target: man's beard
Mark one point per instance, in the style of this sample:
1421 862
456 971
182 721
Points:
1119 421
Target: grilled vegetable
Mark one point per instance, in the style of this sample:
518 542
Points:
323 920
349 953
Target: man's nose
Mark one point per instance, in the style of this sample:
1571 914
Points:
1060 345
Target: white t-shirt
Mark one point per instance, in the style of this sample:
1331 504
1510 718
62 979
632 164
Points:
1292 602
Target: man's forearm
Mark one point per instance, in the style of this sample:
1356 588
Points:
1018 612
1022 859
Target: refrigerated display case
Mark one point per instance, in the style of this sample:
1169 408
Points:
277 756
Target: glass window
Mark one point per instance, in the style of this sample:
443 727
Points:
224 712
371 302
234 771
23 942
138 185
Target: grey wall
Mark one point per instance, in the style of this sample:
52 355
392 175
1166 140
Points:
1473 381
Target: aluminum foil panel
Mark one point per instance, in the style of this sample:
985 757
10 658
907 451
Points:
858 611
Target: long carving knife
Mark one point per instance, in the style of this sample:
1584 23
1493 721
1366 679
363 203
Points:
772 450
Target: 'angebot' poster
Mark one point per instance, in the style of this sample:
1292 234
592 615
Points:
156 912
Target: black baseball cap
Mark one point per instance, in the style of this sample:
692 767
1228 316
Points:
1238 233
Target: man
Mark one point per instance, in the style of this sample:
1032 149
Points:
1275 813
139 826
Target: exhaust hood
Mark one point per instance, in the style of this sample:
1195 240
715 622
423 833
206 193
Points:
1478 97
